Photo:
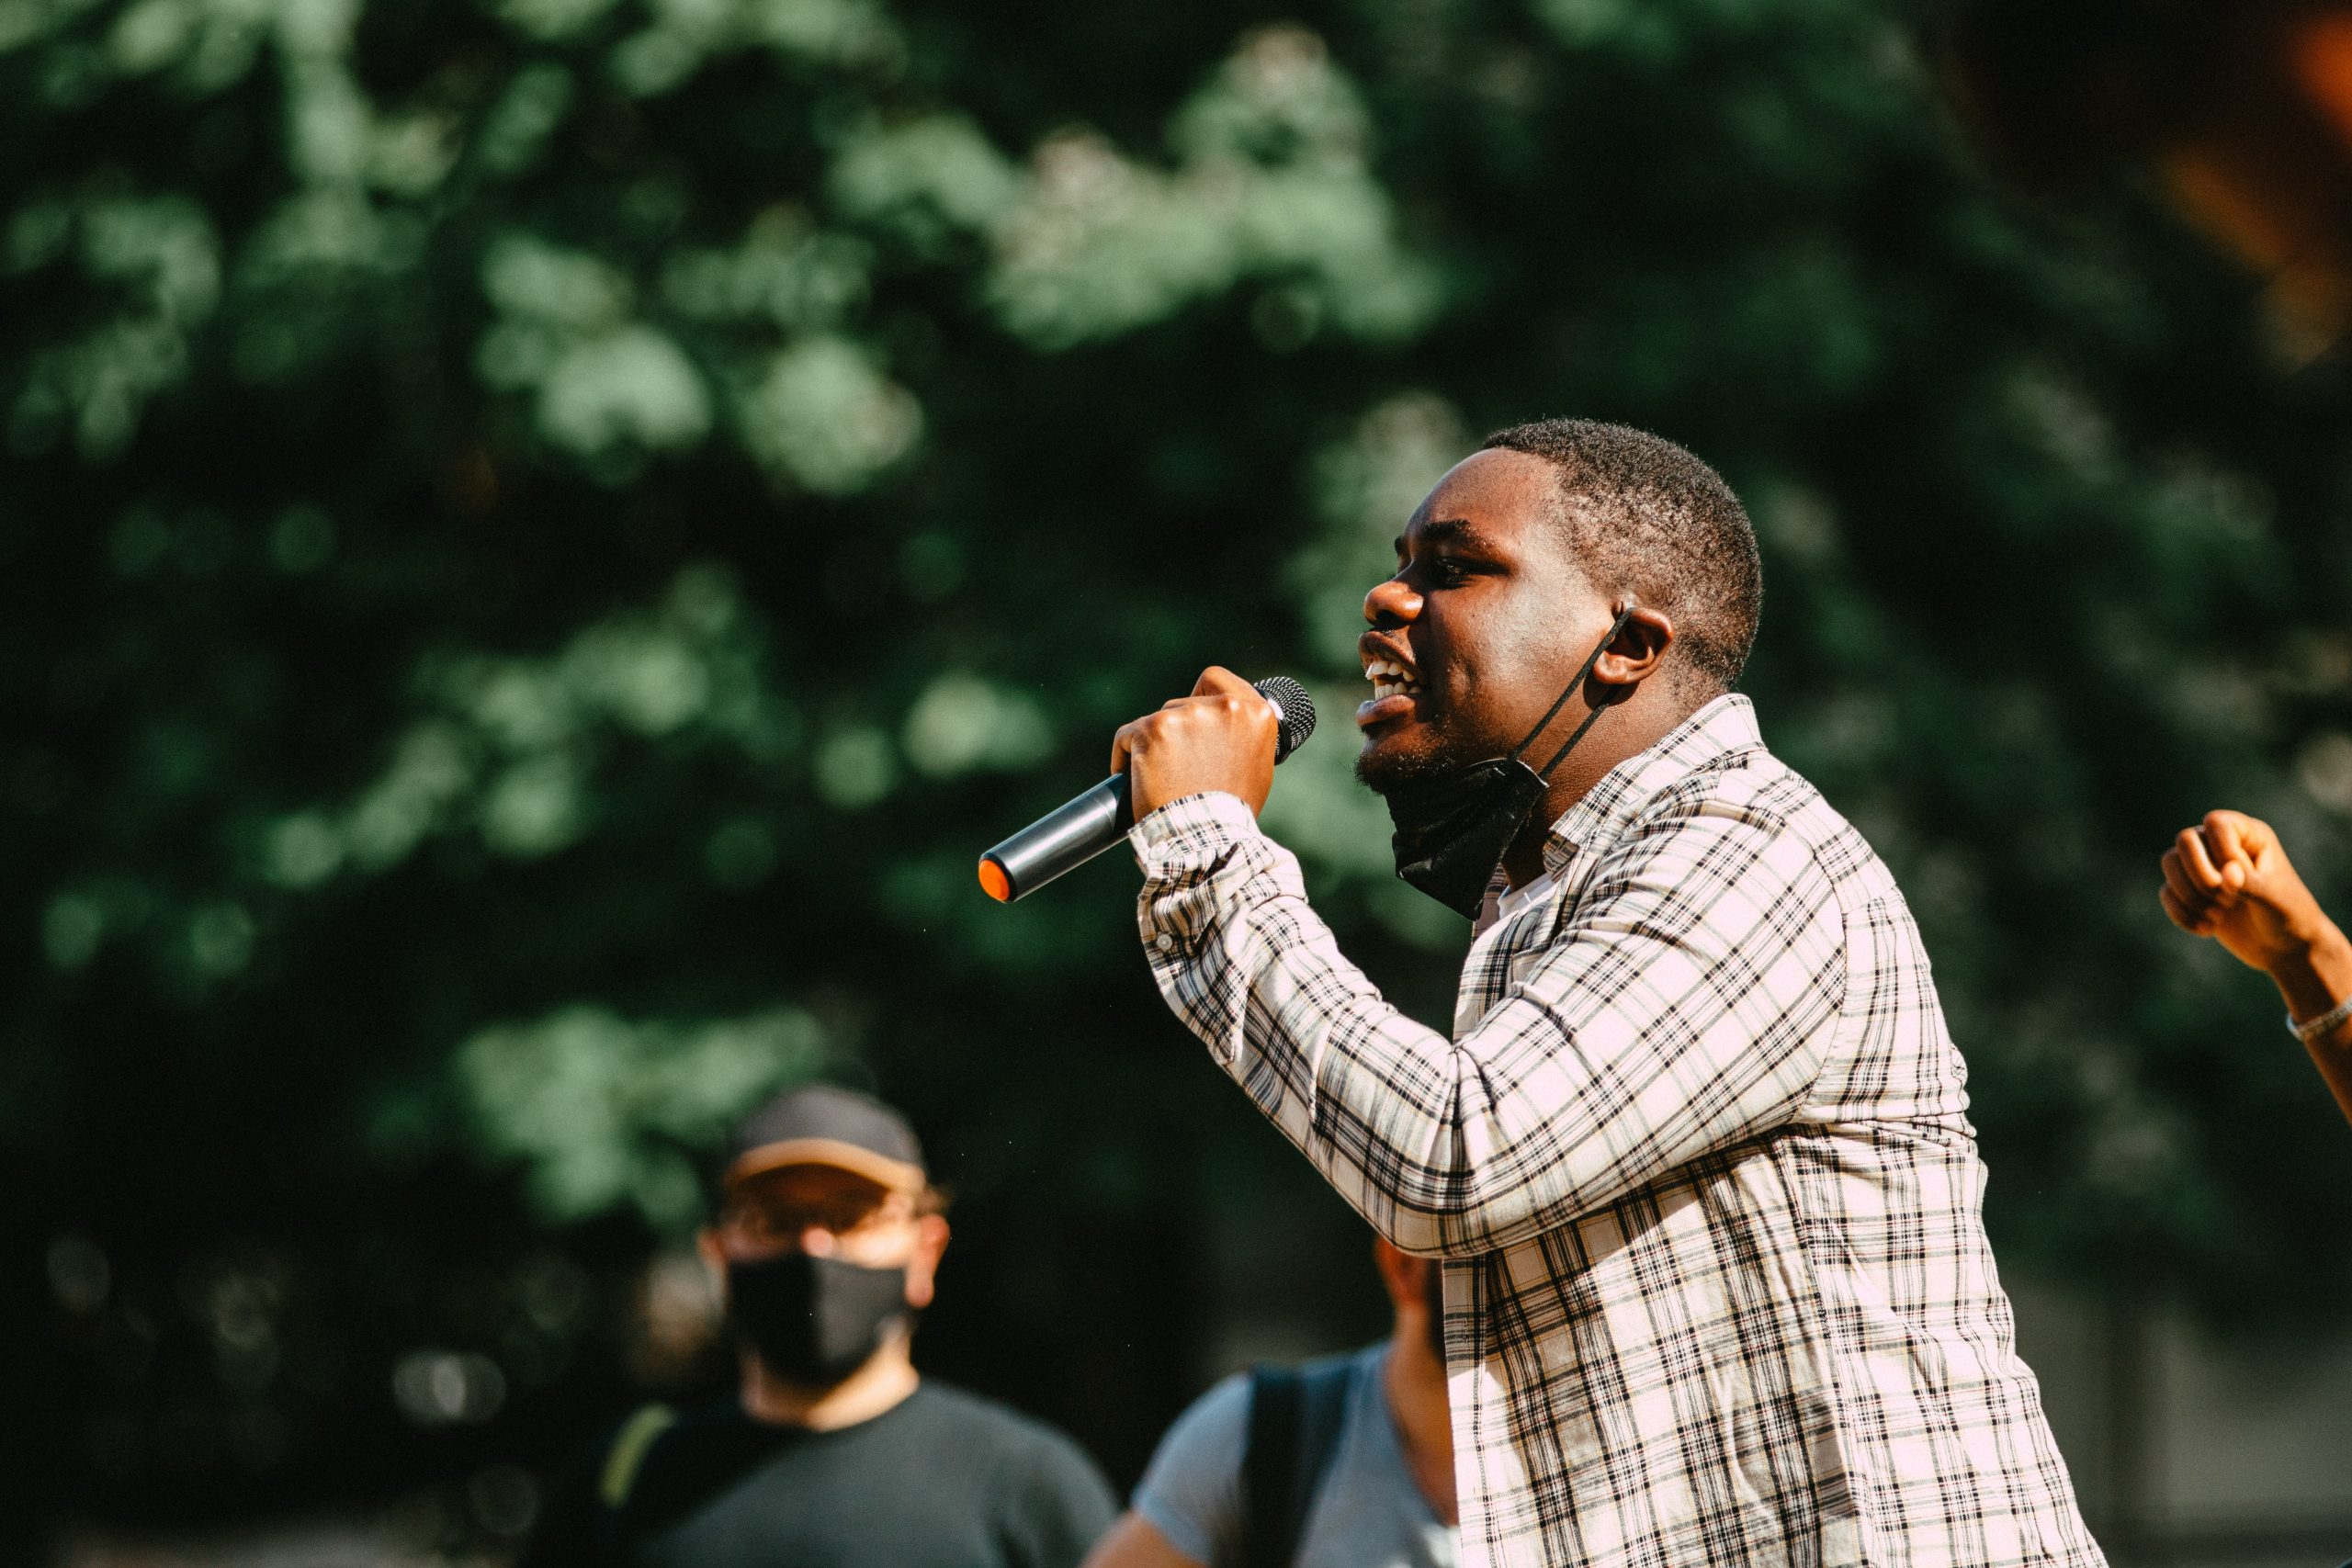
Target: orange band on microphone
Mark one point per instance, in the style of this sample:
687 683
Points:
994 883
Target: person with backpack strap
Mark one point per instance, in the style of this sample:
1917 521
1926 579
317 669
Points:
1344 1462
832 1452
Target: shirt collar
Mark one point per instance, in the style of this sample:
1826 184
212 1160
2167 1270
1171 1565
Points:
1509 900
1723 728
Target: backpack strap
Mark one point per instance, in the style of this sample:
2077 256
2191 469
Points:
623 1462
1295 1420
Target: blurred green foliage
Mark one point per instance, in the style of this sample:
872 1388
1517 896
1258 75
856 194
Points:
541 537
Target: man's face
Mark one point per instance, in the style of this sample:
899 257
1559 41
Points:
1485 621
822 1211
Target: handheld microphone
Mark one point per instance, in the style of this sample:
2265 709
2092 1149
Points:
1067 839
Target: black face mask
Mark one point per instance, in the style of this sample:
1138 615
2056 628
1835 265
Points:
814 1320
1453 827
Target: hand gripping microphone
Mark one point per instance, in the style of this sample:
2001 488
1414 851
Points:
1065 839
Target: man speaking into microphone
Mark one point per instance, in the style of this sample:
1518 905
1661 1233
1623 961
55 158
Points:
1696 1155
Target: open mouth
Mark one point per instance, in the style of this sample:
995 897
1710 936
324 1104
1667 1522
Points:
1390 679
1393 687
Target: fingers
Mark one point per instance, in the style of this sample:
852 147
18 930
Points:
2233 833
2238 841
1217 681
2251 861
2209 865
2190 847
2193 893
1134 735
2229 878
2182 916
2251 846
1218 690
1221 688
1138 736
1141 734
2182 886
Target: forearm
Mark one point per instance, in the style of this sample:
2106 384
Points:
2312 979
1624 1052
1366 1094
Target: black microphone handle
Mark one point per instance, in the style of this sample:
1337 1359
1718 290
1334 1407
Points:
1061 840
1065 839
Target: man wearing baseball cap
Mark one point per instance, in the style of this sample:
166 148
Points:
834 1451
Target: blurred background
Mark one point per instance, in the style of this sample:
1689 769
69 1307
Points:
540 537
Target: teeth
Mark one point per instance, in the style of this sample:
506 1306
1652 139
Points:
1389 679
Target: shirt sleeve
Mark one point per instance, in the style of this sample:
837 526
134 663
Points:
1191 1493
1063 1509
1683 1007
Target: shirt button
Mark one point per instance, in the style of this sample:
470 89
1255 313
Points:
1165 942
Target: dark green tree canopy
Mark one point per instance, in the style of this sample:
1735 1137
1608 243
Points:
542 536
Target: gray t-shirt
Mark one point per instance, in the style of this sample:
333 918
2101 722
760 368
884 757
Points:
1367 1514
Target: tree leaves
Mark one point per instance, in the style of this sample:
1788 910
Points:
544 535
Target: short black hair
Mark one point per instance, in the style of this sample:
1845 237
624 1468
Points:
1643 514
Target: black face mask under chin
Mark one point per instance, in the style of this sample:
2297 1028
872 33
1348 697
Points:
814 1320
1454 829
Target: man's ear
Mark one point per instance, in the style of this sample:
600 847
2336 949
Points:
1637 650
923 1264
714 1258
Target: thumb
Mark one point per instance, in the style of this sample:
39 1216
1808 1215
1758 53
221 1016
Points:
1217 681
2236 842
2232 838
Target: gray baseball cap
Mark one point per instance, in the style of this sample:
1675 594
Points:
823 1125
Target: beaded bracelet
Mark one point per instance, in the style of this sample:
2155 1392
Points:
2311 1029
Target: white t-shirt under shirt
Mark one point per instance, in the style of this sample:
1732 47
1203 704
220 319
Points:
1368 1513
1514 900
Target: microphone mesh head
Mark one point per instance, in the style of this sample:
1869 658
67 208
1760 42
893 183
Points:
1297 711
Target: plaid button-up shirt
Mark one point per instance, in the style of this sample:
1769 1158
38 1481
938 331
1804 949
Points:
1697 1157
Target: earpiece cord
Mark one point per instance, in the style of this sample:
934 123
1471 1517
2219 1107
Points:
1573 686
